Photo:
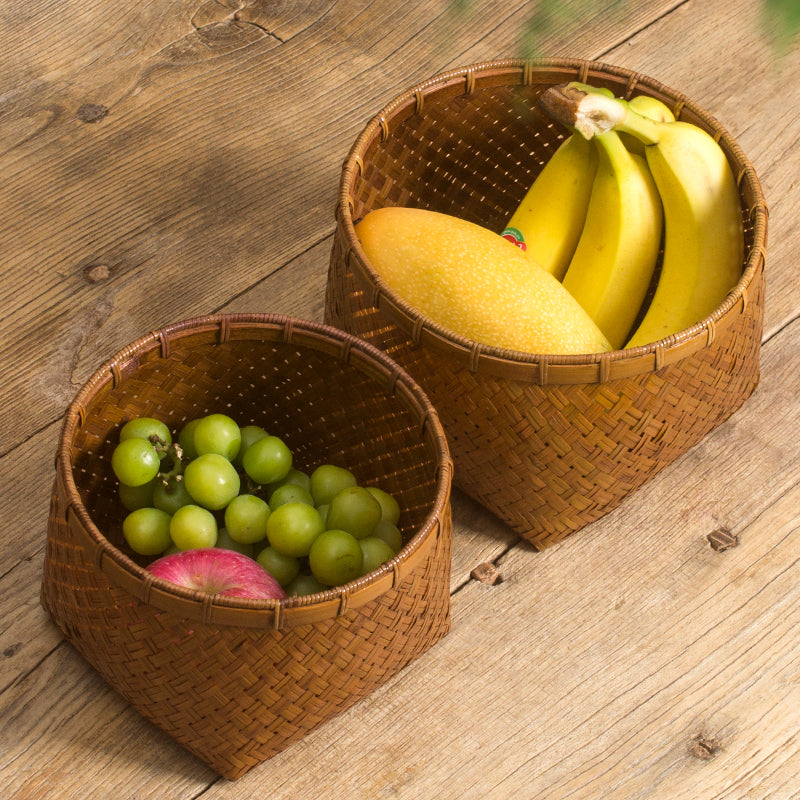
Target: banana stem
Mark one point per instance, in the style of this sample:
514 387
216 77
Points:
591 113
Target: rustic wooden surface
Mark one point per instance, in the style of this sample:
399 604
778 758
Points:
170 158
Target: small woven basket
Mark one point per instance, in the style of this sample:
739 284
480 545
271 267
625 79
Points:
235 681
548 443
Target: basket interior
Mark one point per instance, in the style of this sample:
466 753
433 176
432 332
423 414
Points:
326 410
471 155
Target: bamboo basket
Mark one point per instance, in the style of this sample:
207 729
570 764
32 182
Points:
235 681
548 443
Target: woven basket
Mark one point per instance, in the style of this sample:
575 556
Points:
235 681
548 443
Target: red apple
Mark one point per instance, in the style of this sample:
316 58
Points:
218 571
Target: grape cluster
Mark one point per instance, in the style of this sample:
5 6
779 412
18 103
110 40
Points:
221 485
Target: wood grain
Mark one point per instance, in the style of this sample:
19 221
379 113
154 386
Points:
171 158
213 166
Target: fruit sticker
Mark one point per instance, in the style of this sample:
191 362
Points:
515 237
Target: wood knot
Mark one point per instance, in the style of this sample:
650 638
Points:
12 650
487 573
704 747
96 273
722 539
91 112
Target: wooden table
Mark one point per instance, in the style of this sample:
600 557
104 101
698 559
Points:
166 159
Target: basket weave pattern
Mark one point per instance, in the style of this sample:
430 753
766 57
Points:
236 681
548 443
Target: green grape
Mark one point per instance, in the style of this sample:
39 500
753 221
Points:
133 497
390 508
135 462
246 518
375 551
219 434
212 481
335 557
292 527
192 527
295 477
225 542
249 434
153 430
304 584
186 439
354 510
328 480
267 460
170 496
146 531
283 568
390 534
290 493
323 512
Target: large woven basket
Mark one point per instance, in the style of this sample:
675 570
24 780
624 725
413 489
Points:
548 443
235 681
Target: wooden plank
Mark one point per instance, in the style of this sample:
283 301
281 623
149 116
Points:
61 709
206 173
26 481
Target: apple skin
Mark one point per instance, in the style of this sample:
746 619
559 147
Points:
218 571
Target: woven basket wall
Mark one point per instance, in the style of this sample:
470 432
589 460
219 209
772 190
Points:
548 443
235 681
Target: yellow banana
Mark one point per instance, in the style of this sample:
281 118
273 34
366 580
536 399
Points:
704 241
652 108
548 222
703 235
615 258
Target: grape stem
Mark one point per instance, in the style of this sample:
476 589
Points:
251 486
173 453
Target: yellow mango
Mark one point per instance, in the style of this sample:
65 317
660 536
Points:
475 283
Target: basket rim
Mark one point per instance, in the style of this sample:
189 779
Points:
126 574
533 367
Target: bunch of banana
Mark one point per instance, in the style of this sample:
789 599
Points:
593 219
648 172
